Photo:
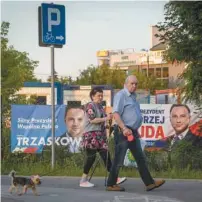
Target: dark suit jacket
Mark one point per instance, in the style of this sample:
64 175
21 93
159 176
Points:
194 139
191 138
61 147
71 148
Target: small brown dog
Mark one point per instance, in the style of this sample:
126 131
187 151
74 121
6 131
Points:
24 182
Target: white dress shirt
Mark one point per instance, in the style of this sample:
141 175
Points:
179 136
74 143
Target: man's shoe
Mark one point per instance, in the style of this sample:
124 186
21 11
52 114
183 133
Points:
115 188
121 180
157 183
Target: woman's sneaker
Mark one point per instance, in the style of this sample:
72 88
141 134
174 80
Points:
86 184
121 180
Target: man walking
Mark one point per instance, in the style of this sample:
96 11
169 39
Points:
127 114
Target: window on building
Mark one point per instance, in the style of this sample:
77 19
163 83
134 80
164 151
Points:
165 72
158 53
105 62
151 72
158 72
144 71
73 103
124 57
162 53
41 100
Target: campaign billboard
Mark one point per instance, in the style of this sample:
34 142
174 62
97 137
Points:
162 121
158 123
31 126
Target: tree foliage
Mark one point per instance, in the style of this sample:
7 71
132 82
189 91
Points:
66 80
63 79
102 75
150 83
56 79
105 75
16 68
182 32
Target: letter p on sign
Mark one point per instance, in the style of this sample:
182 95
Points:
52 25
52 22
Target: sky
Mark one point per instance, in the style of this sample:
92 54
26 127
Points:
90 26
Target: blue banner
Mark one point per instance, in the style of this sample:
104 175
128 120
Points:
31 127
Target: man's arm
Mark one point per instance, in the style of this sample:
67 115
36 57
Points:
118 108
126 131
118 120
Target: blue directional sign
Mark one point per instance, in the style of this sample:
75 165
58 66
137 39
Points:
53 24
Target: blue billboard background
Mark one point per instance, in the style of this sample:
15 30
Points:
31 126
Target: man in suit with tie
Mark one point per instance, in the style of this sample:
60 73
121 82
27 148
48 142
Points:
74 120
180 117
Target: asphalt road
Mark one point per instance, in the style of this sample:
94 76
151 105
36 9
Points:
66 189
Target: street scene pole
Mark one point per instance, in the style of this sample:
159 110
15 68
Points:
52 34
53 105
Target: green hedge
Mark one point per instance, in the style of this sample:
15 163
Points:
184 162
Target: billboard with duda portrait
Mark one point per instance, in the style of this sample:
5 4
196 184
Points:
162 122
31 126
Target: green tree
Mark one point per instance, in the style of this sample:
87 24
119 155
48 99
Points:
66 80
150 83
181 31
102 75
87 76
63 79
55 77
16 68
117 78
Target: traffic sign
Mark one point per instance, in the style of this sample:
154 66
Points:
53 24
51 29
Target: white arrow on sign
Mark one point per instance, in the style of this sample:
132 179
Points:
60 38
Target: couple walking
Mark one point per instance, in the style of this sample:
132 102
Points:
127 115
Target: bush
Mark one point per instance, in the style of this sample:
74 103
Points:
157 160
184 161
187 156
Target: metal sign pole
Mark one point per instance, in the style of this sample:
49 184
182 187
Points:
53 104
52 33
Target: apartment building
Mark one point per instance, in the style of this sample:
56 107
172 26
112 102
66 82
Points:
150 61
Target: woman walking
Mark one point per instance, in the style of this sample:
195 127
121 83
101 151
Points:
94 137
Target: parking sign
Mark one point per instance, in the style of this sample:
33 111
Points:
53 24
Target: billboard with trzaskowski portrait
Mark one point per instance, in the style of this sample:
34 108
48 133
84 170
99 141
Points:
31 126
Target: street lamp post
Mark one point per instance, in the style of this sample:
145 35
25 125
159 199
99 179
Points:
147 60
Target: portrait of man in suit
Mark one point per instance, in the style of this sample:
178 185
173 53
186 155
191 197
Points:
180 117
74 120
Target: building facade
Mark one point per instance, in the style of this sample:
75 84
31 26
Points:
64 94
150 61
